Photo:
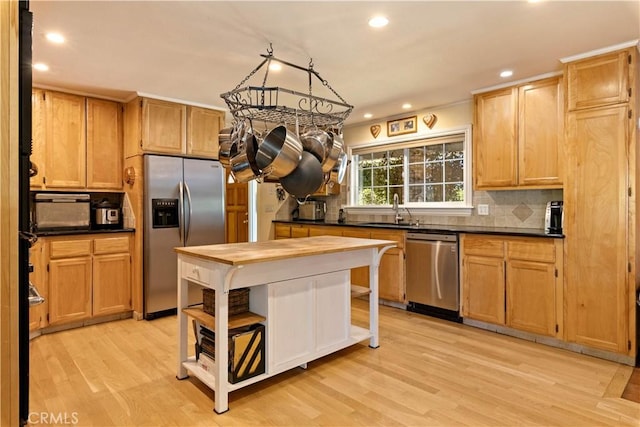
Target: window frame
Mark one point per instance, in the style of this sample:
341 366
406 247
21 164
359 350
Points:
437 208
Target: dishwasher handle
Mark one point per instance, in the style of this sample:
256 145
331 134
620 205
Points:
433 237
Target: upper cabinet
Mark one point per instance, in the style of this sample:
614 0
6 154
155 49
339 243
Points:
518 138
104 144
203 127
598 81
65 147
77 142
155 126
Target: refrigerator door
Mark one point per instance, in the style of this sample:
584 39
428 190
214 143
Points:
162 177
204 202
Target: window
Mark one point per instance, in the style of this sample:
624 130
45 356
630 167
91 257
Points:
428 172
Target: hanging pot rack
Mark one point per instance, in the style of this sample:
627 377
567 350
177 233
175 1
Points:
274 104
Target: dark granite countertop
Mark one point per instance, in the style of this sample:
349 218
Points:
426 228
45 233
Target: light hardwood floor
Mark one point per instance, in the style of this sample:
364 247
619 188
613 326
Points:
426 372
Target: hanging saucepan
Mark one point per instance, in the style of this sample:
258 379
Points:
306 178
228 149
279 153
334 148
243 164
315 142
341 167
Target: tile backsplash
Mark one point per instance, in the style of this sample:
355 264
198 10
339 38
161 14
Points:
513 208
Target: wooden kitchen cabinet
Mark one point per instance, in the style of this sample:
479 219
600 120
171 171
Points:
598 81
360 275
513 281
391 271
65 147
38 130
601 202
88 276
38 313
596 228
111 275
494 138
512 149
77 142
299 231
282 231
203 128
164 127
69 284
104 145
483 278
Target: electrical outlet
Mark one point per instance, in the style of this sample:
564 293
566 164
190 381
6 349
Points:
483 209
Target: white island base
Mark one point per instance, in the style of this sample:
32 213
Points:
300 291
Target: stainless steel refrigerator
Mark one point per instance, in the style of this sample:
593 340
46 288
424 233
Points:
183 206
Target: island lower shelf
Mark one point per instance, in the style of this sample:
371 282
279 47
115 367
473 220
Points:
357 334
235 321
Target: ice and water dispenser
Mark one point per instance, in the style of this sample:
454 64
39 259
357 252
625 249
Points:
165 213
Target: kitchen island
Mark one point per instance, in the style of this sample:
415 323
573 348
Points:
299 288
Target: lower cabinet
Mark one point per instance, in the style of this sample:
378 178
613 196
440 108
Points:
318 304
513 281
38 277
88 276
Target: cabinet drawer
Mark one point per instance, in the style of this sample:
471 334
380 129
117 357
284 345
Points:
397 236
111 245
69 248
195 270
483 246
532 251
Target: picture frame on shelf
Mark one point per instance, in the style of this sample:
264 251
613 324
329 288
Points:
402 126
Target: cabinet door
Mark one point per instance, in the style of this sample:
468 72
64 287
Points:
598 81
531 297
163 126
282 231
483 289
391 281
596 205
111 284
104 144
65 141
38 131
237 211
495 148
203 128
69 290
324 230
360 275
299 231
540 133
291 323
38 313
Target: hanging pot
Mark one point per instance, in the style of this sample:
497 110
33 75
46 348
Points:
243 165
306 178
279 152
315 142
334 149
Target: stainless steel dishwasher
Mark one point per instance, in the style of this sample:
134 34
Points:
432 275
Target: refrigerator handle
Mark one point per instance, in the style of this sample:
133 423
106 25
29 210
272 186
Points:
188 224
181 214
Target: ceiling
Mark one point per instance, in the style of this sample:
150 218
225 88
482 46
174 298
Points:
431 53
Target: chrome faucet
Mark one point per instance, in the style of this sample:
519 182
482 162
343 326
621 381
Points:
396 208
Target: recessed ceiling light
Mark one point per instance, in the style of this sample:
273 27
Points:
275 66
406 106
506 73
41 67
378 22
55 38
367 115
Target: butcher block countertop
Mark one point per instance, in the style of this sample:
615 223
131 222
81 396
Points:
272 250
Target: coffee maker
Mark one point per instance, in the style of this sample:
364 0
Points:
554 217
